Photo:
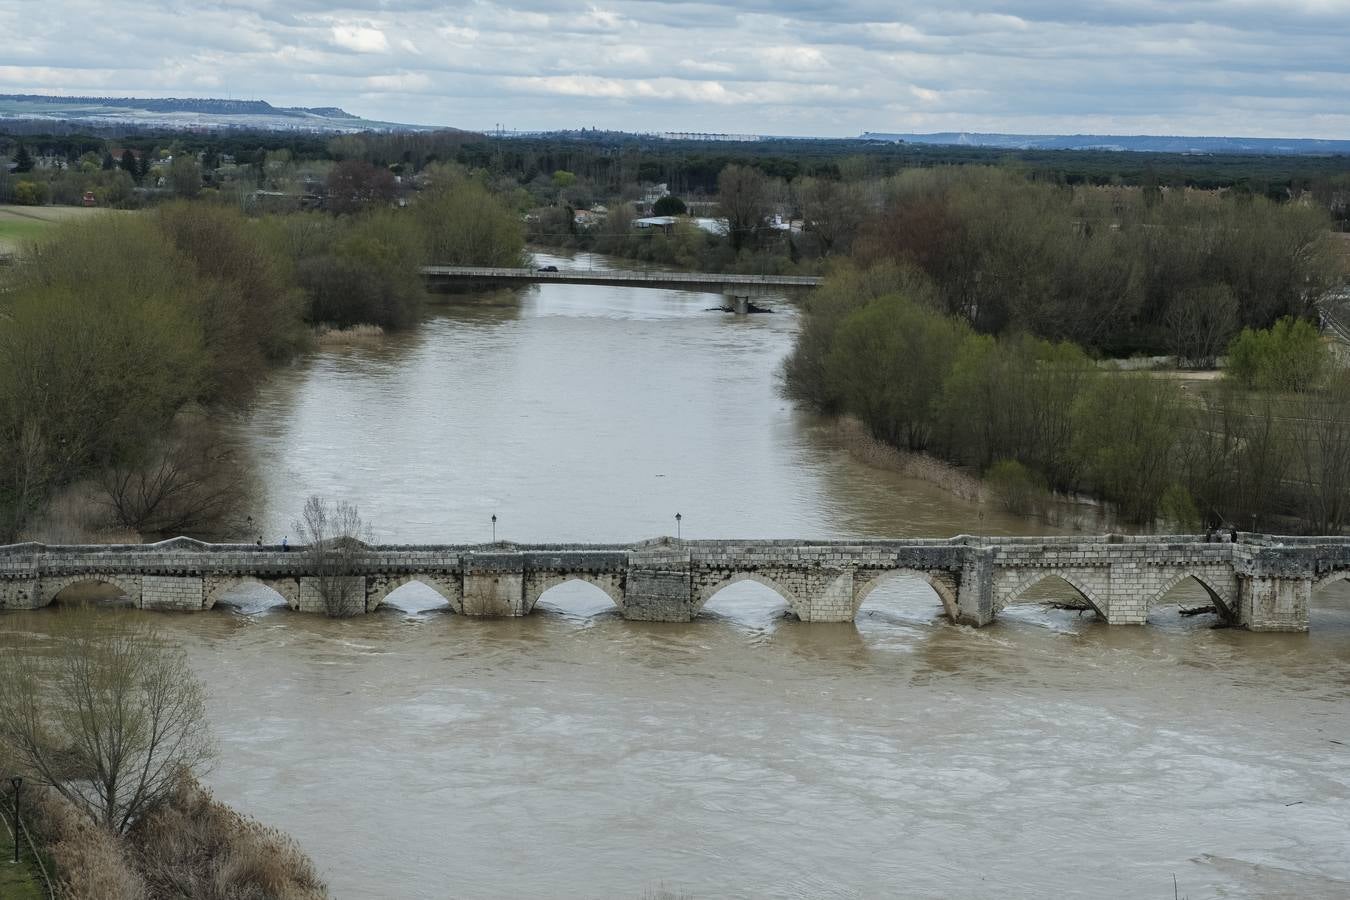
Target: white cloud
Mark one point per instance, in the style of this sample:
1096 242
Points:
1261 67
360 38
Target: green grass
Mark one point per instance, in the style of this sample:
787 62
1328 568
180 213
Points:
20 882
15 232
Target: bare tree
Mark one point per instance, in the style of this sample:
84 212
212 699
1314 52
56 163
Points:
1322 454
109 717
1201 322
335 536
192 481
831 210
743 198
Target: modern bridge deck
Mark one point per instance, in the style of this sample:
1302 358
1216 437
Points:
709 281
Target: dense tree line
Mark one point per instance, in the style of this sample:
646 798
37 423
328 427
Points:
1268 446
126 336
613 161
1118 271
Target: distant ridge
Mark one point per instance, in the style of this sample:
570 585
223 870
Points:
1141 143
190 112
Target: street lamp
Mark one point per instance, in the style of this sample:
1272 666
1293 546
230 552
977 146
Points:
494 528
17 783
678 517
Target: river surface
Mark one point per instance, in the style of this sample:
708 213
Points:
415 753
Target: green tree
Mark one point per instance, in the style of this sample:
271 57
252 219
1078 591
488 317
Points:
98 354
23 160
250 305
847 289
463 223
888 363
669 205
1288 356
185 176
30 193
1127 431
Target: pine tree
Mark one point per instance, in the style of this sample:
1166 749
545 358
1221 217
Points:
128 162
23 160
108 162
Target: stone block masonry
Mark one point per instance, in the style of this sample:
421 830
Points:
181 592
1261 582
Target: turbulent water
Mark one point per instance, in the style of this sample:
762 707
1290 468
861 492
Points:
415 753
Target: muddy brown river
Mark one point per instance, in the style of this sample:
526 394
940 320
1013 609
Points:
415 753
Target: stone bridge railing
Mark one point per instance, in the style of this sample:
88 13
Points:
1260 582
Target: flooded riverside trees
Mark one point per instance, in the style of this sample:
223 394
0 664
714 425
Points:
1258 456
106 722
129 340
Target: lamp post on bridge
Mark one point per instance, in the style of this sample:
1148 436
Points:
678 517
494 528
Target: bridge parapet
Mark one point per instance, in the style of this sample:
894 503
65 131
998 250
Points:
1262 582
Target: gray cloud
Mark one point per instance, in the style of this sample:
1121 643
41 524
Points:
1254 67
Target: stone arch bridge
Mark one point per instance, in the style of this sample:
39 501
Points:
1261 582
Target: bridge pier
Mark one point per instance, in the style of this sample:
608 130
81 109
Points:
659 595
975 590
184 593
494 594
1274 603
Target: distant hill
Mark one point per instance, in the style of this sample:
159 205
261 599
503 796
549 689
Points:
190 112
1140 143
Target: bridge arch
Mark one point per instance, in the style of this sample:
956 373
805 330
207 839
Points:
286 588
1222 603
540 584
707 592
1068 578
945 591
1330 578
447 586
53 587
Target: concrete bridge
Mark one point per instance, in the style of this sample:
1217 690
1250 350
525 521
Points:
1262 582
711 282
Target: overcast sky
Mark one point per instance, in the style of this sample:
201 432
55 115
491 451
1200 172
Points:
801 67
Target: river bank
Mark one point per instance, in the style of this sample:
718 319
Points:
617 757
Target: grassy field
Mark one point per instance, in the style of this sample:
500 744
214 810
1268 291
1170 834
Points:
18 882
21 224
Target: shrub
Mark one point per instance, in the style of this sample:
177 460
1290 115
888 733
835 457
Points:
1288 356
194 846
30 193
89 860
1016 487
1178 507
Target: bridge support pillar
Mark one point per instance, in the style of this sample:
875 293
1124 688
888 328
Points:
1273 602
975 593
334 595
180 592
19 593
494 593
658 595
828 597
